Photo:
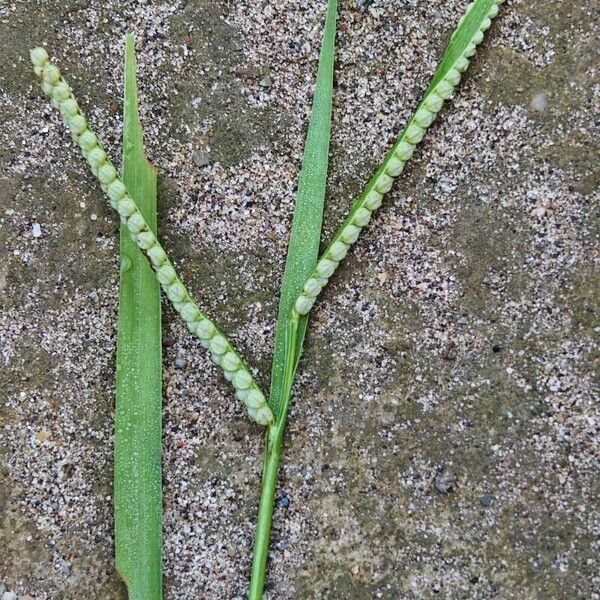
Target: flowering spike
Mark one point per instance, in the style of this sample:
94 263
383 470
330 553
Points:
393 165
222 351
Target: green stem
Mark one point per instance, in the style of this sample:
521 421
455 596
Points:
273 444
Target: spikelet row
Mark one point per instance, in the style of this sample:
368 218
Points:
221 350
381 183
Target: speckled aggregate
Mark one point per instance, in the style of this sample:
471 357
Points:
463 320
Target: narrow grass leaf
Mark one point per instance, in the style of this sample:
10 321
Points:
305 235
138 496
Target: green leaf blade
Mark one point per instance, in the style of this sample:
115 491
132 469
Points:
305 235
138 426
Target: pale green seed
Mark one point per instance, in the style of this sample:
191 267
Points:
424 118
48 89
384 183
373 200
476 39
242 379
87 141
433 102
242 394
218 344
326 267
176 292
157 255
96 157
263 415
230 361
461 64
394 167
39 56
304 304
68 108
338 251
444 89
312 287
453 77
51 74
205 329
166 274
126 207
350 234
255 398
189 312
145 240
136 223
470 50
61 92
107 174
116 190
404 151
77 124
414 134
362 217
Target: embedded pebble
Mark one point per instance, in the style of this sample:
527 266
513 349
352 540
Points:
201 158
444 481
266 81
486 500
539 102
283 501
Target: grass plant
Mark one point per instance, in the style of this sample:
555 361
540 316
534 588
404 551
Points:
306 274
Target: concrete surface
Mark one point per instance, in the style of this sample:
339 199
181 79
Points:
444 435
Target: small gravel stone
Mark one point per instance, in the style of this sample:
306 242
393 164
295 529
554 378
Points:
463 320
36 230
539 102
266 81
444 481
65 567
284 501
201 158
9 596
93 296
181 363
486 500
